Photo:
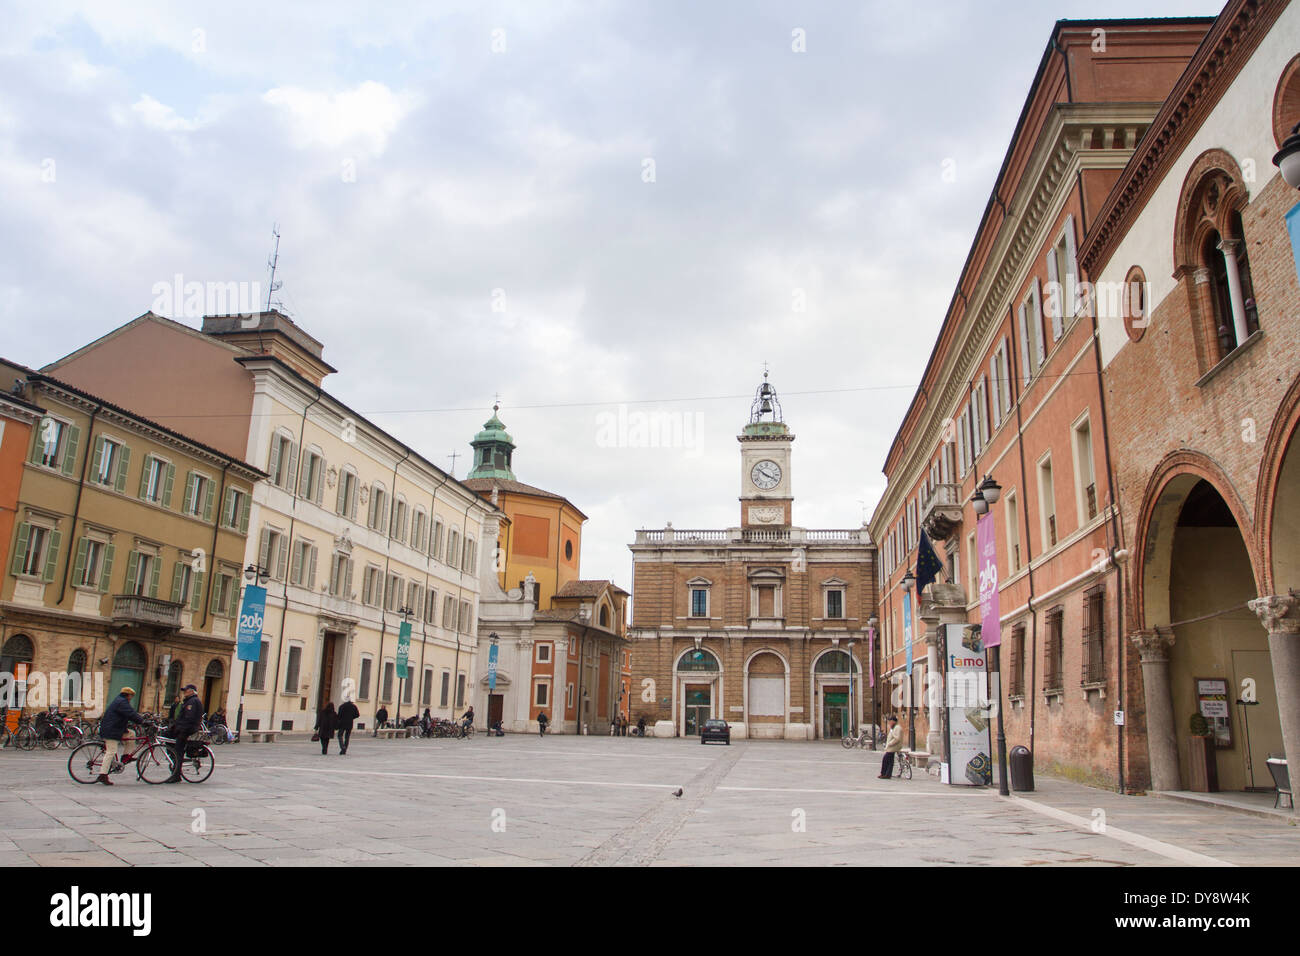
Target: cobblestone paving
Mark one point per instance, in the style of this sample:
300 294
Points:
594 801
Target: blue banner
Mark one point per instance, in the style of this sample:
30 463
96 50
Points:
1293 228
907 629
251 615
492 668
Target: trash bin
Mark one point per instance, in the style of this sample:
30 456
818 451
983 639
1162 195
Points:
1022 769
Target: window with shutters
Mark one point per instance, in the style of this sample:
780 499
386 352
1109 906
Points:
225 592
393 592
291 667
470 549
182 582
963 442
257 680
311 475
234 513
449 613
1062 294
1094 629
426 692
37 551
453 549
345 503
273 553
408 685
363 684
435 544
378 518
1032 346
52 443
972 563
109 460
373 586
431 607
1012 519
282 465
445 691
1054 651
341 576
460 689
1047 503
92 567
420 530
465 619
153 479
386 689
398 527
1016 678
1085 477
142 574
303 567
198 495
980 418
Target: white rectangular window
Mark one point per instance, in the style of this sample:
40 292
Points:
363 685
449 613
312 476
390 671
1047 503
1085 478
345 503
835 603
292 665
282 464
34 554
372 590
444 694
341 577
92 564
52 437
543 653
542 698
1012 518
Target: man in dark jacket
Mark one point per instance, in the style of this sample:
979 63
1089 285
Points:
185 724
113 725
381 718
347 714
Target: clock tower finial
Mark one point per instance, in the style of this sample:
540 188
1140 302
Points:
765 489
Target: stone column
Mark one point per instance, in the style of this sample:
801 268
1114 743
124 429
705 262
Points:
1229 249
1280 614
1162 743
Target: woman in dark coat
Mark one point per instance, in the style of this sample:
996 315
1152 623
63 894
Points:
326 721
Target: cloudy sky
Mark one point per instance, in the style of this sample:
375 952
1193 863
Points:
611 214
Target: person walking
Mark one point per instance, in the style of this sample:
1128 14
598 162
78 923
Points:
326 720
542 721
381 718
113 725
893 744
347 714
186 723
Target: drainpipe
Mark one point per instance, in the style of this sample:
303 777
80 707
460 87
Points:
284 612
1017 383
212 554
76 508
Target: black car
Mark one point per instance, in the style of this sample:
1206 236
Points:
715 730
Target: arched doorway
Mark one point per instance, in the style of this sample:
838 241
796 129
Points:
16 658
766 695
212 685
699 676
128 670
833 690
1198 571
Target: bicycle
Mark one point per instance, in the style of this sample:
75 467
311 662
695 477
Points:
86 763
861 739
157 764
903 765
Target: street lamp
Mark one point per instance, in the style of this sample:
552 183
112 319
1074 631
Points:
852 710
875 705
405 613
1287 159
253 574
979 503
990 489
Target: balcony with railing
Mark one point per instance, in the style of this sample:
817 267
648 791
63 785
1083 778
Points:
146 611
694 537
941 512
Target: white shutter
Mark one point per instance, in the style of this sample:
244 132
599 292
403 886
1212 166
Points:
997 390
1039 338
1055 296
1025 372
1071 265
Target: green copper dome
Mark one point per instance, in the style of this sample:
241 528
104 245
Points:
493 449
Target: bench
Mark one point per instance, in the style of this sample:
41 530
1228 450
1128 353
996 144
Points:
1277 766
262 736
388 733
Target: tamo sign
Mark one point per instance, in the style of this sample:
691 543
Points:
251 615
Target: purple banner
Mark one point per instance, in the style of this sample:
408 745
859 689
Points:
986 551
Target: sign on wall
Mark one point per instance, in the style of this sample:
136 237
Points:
252 613
970 746
1212 702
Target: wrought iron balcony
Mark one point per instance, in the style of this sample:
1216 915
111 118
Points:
151 612
941 512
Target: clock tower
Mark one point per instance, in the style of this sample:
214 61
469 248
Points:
765 489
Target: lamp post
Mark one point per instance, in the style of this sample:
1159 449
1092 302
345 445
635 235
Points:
987 494
405 613
852 711
253 574
872 657
909 581
1287 159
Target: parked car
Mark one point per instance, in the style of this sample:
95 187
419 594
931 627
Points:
715 730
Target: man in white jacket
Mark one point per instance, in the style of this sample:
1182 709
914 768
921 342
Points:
893 744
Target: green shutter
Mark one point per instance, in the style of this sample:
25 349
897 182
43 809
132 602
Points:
197 597
20 547
189 492
207 502
38 442
123 462
153 581
291 479
94 464
132 572
243 514
51 556
176 581
340 506
144 476
79 569
282 559
311 570
70 454
234 597
106 576
295 572
227 507
264 549
167 486
273 466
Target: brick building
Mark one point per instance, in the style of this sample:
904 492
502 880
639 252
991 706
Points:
764 624
1012 391
1199 314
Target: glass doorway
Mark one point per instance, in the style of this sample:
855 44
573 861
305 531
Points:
698 708
835 714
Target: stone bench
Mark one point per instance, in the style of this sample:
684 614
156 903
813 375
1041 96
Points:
262 736
388 733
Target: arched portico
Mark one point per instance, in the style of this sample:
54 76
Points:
697 689
767 693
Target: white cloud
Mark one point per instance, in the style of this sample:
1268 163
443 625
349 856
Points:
366 115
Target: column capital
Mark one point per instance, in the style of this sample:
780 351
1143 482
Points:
1153 644
1229 247
1279 613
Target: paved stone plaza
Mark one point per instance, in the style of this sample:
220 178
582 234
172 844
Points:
594 801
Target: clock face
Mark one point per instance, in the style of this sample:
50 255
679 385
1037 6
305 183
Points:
766 474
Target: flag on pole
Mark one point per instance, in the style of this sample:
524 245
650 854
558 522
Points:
928 564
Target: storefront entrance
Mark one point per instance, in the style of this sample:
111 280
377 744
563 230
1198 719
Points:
835 712
698 708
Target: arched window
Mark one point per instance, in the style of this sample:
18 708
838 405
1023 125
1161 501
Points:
698 660
833 662
128 669
604 616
